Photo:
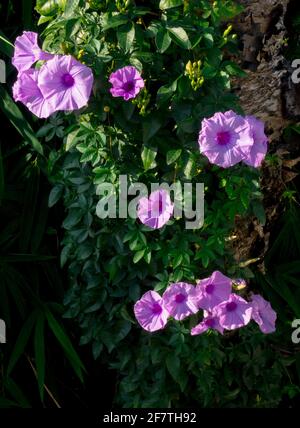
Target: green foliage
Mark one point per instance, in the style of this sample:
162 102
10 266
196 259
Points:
28 274
30 283
182 50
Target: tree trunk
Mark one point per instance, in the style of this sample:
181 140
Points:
269 94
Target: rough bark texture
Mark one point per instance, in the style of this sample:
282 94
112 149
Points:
262 30
268 93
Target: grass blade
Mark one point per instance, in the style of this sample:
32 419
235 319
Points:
6 46
66 344
21 342
39 351
15 116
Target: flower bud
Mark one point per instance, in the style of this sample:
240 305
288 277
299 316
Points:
227 31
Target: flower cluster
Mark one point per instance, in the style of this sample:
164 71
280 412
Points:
222 308
228 138
61 83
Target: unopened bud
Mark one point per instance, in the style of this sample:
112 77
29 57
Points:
227 31
189 67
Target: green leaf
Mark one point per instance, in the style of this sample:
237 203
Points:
40 224
126 35
148 156
55 195
233 69
66 344
26 258
179 36
73 218
39 351
72 139
138 255
151 126
21 342
27 220
147 256
70 7
113 21
208 39
168 4
165 92
204 258
259 211
13 113
6 46
50 7
173 365
16 392
173 155
162 40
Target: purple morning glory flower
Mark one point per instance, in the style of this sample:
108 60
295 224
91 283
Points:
225 139
210 321
236 312
263 314
26 91
27 51
65 83
213 290
127 83
180 300
260 142
150 312
156 211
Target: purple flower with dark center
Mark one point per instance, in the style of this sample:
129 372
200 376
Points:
180 300
150 312
209 321
213 290
263 314
26 90
156 211
127 83
65 83
260 142
236 312
27 51
225 139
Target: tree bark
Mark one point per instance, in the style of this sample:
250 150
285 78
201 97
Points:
267 91
269 94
